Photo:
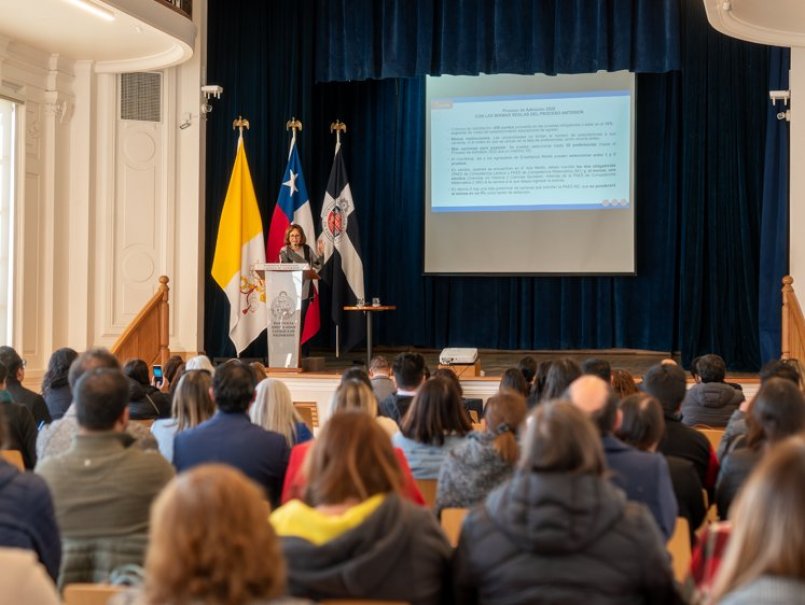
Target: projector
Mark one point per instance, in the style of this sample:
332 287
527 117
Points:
458 356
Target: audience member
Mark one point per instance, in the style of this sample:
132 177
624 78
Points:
27 519
354 536
735 433
513 381
20 425
192 405
764 562
777 412
172 373
642 426
623 383
260 371
710 401
528 367
644 476
23 579
597 367
146 402
15 366
199 362
559 531
55 387
57 437
474 405
380 375
230 437
436 423
356 373
209 542
666 382
485 459
102 487
273 410
539 383
409 374
351 396
562 372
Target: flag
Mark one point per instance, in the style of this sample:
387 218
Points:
240 246
343 267
293 206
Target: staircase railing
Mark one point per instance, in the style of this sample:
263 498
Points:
793 337
146 337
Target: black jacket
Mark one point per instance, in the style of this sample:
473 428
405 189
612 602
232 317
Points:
21 431
561 538
687 443
688 492
735 469
33 401
58 399
147 402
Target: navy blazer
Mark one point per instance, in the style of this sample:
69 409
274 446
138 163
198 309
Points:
231 438
645 478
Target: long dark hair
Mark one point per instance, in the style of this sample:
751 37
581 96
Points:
58 368
435 411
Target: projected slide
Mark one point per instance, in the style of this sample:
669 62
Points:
557 151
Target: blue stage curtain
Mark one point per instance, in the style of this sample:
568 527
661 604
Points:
699 172
774 219
367 39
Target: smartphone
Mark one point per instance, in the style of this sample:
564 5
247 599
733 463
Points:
157 370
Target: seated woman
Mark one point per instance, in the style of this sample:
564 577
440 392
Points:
351 395
559 531
485 459
435 423
209 542
642 426
514 381
353 535
55 388
191 406
274 411
764 562
623 383
777 412
146 402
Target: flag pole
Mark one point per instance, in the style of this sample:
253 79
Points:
338 127
240 124
293 125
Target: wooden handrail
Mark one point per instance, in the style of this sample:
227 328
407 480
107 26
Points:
793 336
146 337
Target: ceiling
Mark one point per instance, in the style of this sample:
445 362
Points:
144 34
775 22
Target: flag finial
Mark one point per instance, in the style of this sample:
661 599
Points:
338 127
293 124
240 124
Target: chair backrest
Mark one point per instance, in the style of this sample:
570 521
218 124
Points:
452 518
90 594
713 435
678 546
428 489
13 457
145 422
309 411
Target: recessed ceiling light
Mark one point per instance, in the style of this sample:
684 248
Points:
93 9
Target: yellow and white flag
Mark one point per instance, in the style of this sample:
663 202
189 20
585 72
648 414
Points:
239 247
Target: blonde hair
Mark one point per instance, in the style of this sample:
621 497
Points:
192 403
210 542
768 527
504 414
273 409
353 394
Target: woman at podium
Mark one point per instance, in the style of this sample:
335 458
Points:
296 250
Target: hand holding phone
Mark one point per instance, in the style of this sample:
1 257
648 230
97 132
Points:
158 376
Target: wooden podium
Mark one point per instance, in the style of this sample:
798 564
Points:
284 285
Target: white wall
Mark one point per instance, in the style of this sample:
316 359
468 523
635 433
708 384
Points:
796 253
104 206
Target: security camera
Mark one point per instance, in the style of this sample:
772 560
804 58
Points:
780 95
212 90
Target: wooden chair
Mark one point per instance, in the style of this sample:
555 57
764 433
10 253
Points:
309 411
678 547
14 458
452 519
474 417
713 435
90 594
428 489
145 423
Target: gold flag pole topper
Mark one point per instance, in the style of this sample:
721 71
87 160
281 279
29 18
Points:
240 124
338 127
293 125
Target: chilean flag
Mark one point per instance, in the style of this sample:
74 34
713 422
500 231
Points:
293 206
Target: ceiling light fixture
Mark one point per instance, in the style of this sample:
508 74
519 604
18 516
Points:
94 9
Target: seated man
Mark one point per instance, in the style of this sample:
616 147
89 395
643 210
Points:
102 486
380 375
20 425
16 374
711 401
57 437
644 476
231 438
409 374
